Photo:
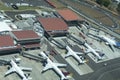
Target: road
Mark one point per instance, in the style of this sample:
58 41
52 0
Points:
93 12
107 13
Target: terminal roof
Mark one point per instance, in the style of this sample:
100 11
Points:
6 41
25 34
53 24
68 15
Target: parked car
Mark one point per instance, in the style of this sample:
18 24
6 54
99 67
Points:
14 6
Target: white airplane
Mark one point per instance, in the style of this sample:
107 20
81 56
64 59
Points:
90 49
70 52
110 42
118 1
52 65
17 69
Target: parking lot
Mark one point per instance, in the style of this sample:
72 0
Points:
12 14
27 2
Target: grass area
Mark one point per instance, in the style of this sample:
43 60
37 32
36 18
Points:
3 7
117 31
28 8
57 4
91 12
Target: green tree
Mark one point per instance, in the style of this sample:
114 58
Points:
118 8
99 2
105 3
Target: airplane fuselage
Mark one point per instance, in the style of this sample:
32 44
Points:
72 53
56 68
18 70
109 40
93 51
53 66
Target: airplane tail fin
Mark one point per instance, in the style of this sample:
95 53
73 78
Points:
17 60
117 44
24 79
101 54
65 73
86 60
29 78
66 78
69 76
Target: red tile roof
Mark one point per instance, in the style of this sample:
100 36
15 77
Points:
6 41
68 14
51 24
25 34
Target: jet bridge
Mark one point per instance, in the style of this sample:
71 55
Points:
3 62
31 56
75 39
94 37
58 44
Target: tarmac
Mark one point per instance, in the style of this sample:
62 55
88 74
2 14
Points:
92 66
83 71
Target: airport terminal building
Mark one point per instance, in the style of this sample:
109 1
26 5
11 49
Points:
70 17
54 26
8 45
26 38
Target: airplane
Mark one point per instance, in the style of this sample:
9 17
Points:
110 42
118 1
54 66
18 70
70 52
94 52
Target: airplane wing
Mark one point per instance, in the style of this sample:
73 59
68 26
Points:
113 38
68 54
111 47
60 65
10 71
88 51
78 53
27 69
47 67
